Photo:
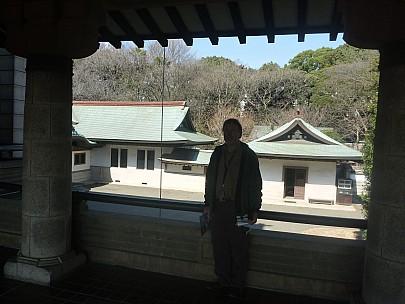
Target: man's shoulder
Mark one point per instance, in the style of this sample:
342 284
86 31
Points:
247 149
219 148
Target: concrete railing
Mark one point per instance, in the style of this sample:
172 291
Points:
11 171
10 223
293 263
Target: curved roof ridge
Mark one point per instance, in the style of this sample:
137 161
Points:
319 133
291 124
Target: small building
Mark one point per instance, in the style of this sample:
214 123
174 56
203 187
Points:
132 137
130 143
81 152
299 165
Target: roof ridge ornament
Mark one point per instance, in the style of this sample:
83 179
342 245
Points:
298 115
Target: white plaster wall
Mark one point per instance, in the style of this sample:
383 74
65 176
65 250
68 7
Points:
359 182
185 182
320 185
85 166
135 177
151 178
100 157
174 168
131 175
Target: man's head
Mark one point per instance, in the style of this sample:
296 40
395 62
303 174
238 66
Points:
232 130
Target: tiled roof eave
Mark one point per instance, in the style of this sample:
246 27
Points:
154 143
180 162
310 157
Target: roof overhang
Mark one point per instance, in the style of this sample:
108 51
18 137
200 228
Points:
309 158
178 143
139 21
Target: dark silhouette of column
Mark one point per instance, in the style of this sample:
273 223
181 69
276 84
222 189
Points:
384 276
49 34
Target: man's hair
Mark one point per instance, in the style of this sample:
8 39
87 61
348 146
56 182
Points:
233 121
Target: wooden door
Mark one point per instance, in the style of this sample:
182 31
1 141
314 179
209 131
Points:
294 182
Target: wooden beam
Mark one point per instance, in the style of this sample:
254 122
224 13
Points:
179 24
268 19
150 23
336 23
237 21
302 19
126 27
205 18
109 37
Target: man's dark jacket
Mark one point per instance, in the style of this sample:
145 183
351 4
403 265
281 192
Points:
248 198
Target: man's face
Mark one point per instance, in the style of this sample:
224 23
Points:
231 134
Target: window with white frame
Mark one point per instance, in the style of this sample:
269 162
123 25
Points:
345 184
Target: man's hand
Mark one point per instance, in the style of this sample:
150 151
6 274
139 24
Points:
254 218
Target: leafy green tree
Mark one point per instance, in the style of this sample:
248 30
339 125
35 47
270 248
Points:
347 89
315 60
216 61
368 152
309 61
368 148
333 134
270 66
349 54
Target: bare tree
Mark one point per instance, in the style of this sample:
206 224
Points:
176 52
271 89
314 115
110 74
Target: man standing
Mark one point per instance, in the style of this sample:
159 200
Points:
233 191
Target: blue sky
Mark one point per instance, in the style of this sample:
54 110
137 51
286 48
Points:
257 51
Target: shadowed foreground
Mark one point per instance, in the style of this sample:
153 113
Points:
98 283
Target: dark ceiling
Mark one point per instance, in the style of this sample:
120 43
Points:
138 21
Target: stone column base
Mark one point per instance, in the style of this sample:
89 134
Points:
42 271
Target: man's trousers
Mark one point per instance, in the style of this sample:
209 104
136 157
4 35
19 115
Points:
230 245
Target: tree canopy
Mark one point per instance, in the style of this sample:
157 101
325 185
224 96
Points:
335 88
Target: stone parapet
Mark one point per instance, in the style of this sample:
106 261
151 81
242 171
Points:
293 263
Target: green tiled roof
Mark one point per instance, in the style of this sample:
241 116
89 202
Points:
320 146
188 156
296 121
81 140
306 151
136 122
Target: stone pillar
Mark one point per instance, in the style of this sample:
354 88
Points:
49 34
47 198
384 276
